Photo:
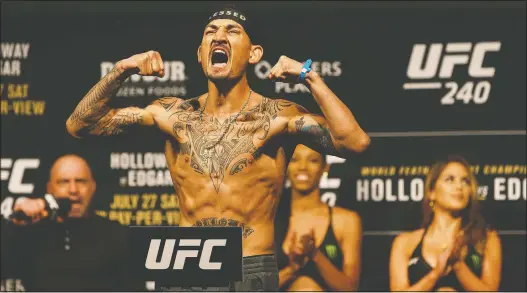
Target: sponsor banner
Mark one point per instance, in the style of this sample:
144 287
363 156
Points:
14 54
390 179
18 175
423 72
144 209
171 85
140 188
17 97
410 78
326 69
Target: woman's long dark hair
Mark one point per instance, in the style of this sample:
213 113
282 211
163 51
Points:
473 224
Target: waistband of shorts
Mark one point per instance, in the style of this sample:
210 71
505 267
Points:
261 259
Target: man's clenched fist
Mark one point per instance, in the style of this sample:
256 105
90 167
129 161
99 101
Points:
147 64
286 70
32 208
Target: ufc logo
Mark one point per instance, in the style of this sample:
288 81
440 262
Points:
181 255
455 54
16 175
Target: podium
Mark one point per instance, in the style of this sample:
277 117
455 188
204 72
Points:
188 256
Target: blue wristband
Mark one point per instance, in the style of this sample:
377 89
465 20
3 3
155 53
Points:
305 69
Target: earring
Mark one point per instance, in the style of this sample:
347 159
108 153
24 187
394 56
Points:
325 175
431 204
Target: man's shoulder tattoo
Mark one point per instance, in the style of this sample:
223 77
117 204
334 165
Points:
274 106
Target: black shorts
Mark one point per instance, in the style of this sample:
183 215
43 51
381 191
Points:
260 273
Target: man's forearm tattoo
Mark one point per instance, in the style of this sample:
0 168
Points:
224 222
94 104
318 134
117 124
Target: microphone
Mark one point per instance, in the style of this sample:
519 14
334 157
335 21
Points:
55 208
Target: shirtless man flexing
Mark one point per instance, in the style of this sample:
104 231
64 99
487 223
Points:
227 149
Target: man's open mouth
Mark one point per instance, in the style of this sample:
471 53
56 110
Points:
219 57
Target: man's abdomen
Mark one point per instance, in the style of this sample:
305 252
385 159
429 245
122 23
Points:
257 233
246 199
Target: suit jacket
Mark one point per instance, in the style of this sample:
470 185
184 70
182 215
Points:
89 254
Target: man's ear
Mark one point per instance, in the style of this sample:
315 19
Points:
199 54
256 54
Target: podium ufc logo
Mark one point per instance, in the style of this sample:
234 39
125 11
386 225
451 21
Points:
181 255
441 63
16 175
189 256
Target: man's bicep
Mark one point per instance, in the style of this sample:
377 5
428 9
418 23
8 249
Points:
312 130
122 120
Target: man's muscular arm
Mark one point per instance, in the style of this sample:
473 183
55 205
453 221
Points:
337 132
313 131
95 116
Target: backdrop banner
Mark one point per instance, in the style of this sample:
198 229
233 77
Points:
425 80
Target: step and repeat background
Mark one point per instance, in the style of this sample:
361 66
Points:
423 79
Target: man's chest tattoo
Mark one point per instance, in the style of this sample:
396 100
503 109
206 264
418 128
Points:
240 146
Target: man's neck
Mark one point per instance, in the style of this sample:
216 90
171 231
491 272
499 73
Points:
225 100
